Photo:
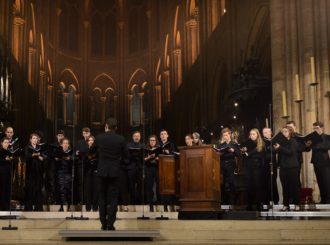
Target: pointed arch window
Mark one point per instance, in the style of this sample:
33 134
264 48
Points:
136 107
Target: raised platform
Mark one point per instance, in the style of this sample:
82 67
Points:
124 234
47 231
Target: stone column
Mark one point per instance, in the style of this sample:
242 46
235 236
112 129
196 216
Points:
17 39
130 97
141 108
65 103
31 66
115 104
103 100
50 92
192 41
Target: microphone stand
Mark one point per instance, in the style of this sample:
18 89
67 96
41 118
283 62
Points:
271 165
10 227
143 217
82 194
71 217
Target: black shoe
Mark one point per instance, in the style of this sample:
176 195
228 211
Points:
103 227
110 228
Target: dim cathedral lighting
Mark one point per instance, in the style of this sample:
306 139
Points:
66 66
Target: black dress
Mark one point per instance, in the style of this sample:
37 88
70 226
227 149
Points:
34 181
290 171
321 162
254 163
5 180
228 165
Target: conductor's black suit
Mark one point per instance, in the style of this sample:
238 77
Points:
112 151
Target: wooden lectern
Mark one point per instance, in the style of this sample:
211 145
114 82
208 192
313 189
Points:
199 179
168 175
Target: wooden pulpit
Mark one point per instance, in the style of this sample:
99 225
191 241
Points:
199 179
168 175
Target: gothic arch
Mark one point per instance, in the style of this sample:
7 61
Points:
68 77
104 82
138 77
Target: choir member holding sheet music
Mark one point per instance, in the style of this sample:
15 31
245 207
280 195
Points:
63 156
270 169
6 158
253 153
288 150
229 151
319 142
152 170
34 174
131 181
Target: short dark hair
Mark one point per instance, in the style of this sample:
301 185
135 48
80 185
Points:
320 124
163 130
136 132
60 131
291 122
86 129
3 139
111 123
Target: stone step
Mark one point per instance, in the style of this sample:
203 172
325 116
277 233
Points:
176 230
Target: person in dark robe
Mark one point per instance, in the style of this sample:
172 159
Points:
321 161
63 156
152 171
253 164
229 152
270 169
289 169
6 160
91 194
34 181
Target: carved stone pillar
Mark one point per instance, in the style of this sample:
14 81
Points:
141 108
177 68
192 41
115 104
65 104
50 91
17 38
103 100
158 90
42 88
31 67
130 97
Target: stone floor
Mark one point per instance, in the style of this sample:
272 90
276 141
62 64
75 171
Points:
44 227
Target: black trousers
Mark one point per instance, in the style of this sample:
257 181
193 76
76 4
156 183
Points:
152 180
33 195
322 172
5 186
267 185
78 182
90 189
228 186
128 185
254 184
291 185
50 180
64 187
108 199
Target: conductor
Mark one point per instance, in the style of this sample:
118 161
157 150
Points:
111 149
